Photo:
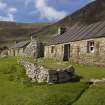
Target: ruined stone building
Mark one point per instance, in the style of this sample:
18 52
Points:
31 48
18 49
83 44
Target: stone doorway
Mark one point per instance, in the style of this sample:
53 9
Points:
66 52
13 52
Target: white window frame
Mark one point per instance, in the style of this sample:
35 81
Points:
91 46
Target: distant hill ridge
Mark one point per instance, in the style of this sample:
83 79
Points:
11 31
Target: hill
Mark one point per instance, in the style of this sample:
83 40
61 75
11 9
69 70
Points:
91 13
11 31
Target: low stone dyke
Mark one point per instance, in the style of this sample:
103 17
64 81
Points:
41 74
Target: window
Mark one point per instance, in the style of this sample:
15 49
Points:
90 47
52 49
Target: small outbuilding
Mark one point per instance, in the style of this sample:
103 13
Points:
31 48
18 49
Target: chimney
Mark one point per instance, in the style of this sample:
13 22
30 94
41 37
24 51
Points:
61 30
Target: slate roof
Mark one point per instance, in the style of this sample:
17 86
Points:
82 32
20 44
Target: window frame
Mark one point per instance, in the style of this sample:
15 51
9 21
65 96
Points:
90 46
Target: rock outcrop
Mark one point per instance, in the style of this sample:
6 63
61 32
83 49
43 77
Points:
97 81
41 74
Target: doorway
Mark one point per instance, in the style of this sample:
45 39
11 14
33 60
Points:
66 52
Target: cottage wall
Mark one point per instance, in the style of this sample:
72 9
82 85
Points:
11 52
34 49
56 54
31 49
20 52
16 52
78 52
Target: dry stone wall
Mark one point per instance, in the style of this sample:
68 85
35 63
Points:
41 74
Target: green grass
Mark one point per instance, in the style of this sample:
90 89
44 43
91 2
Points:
85 71
52 64
93 96
16 88
90 72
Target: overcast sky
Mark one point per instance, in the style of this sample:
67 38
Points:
38 10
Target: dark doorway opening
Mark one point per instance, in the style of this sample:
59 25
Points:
41 50
66 52
13 52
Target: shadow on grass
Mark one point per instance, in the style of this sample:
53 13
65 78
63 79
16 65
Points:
77 78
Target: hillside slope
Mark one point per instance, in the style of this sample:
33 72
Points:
92 12
11 31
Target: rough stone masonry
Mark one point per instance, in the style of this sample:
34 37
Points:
41 74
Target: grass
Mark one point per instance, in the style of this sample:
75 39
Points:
52 64
93 96
16 89
90 72
85 71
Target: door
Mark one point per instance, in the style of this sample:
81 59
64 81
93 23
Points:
66 52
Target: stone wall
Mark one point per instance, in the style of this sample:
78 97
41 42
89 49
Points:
16 52
31 49
11 52
4 53
41 74
78 52
34 49
57 54
82 56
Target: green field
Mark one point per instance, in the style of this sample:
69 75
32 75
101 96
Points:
16 89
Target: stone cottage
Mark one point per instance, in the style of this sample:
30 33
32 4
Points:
31 48
18 49
83 44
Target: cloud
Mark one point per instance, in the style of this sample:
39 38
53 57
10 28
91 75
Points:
92 0
12 10
9 11
9 17
2 5
47 11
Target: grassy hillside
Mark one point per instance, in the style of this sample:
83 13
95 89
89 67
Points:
16 89
91 13
11 31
